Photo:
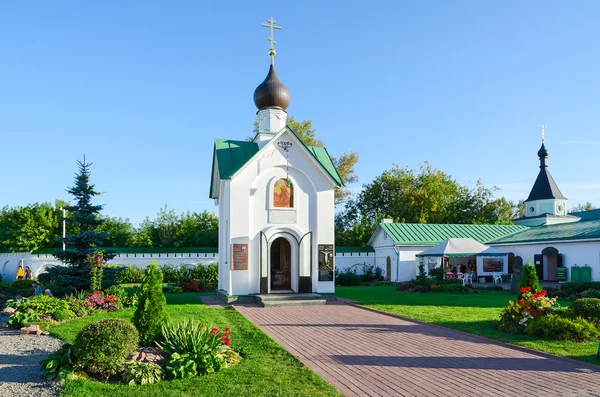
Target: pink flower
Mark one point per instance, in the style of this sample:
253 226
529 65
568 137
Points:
214 331
227 329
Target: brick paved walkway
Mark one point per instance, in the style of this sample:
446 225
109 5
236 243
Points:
363 353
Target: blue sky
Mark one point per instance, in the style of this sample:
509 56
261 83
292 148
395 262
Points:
143 87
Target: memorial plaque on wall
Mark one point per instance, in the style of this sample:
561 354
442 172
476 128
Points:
239 257
325 262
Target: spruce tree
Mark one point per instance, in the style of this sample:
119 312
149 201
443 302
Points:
83 221
151 313
529 278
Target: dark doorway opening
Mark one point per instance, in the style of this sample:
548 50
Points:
281 257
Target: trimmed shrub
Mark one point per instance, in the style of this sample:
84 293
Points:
559 328
151 314
211 273
573 287
530 278
102 347
450 286
437 274
407 286
61 315
129 274
587 308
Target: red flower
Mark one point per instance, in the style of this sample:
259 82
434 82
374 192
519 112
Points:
527 307
214 331
226 341
528 288
521 301
227 329
523 289
543 292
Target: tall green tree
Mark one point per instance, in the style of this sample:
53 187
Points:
119 232
28 228
344 164
151 313
83 237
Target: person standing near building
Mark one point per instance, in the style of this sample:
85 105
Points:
20 273
28 275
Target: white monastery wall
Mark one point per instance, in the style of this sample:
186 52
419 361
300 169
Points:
354 260
9 263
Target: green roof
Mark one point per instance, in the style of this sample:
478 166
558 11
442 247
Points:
323 157
432 234
562 231
348 249
587 215
232 155
147 250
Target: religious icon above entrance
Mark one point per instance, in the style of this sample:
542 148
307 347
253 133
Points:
283 194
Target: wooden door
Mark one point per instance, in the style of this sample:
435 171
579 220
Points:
388 269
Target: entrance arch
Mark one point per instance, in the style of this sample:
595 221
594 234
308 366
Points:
388 269
281 264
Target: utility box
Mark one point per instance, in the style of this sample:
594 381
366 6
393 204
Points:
575 273
586 274
561 274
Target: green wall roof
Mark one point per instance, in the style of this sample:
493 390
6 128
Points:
348 249
563 231
232 155
587 215
432 234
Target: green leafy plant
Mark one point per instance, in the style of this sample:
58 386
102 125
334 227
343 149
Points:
142 373
529 278
205 346
102 347
43 304
514 318
59 364
151 313
555 327
587 308
22 319
176 290
181 366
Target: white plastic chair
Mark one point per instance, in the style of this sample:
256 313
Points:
468 279
497 278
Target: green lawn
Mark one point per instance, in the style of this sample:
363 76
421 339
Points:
267 369
473 313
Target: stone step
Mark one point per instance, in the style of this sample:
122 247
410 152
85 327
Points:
294 303
287 297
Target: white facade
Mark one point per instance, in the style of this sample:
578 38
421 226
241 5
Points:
354 260
247 215
574 253
9 263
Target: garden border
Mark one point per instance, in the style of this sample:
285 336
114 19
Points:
587 364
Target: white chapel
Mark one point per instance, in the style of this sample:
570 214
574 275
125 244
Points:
276 204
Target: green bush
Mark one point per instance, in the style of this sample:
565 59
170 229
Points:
530 278
555 327
102 347
347 277
62 280
437 274
22 319
22 285
61 315
78 306
450 286
573 287
129 274
151 313
142 373
587 308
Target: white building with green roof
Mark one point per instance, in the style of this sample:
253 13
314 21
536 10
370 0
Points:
276 205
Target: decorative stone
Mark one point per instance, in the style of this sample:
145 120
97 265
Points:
7 312
517 275
32 329
149 355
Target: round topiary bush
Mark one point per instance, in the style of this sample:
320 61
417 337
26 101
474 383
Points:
587 308
102 347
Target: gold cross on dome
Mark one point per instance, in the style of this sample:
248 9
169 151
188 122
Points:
543 128
271 26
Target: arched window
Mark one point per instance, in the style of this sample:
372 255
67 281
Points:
283 194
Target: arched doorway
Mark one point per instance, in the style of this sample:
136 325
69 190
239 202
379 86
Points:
281 258
388 269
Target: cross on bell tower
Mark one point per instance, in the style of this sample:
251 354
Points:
271 26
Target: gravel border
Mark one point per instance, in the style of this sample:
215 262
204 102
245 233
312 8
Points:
19 363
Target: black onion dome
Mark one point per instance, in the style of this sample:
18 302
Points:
543 152
271 93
